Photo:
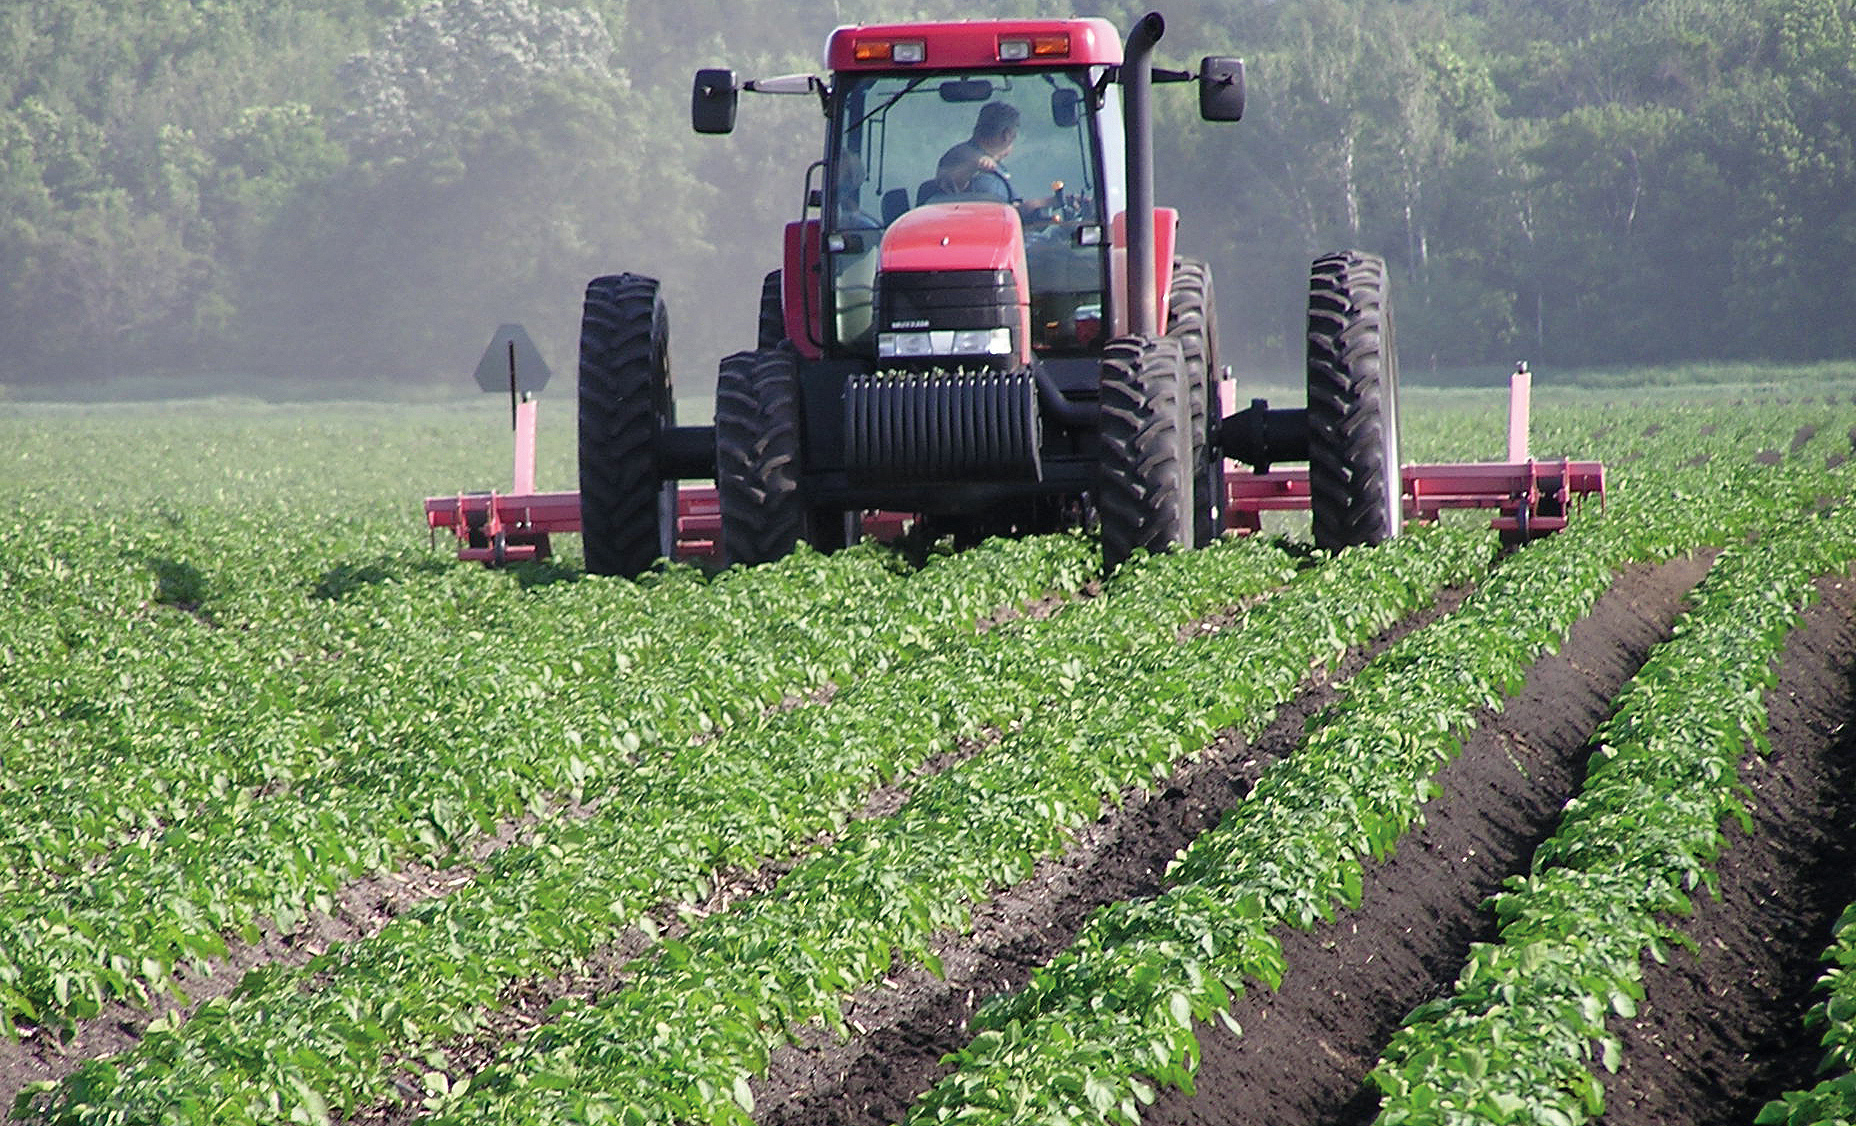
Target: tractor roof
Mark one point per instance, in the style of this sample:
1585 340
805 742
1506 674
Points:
974 44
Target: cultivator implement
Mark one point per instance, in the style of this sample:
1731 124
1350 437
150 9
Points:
1531 497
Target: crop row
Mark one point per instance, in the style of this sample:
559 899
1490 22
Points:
1092 1033
1833 1099
762 789
681 1041
1516 1040
269 812
292 1041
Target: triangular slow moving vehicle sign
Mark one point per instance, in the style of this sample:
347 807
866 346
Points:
530 370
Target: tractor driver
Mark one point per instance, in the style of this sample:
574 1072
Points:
976 166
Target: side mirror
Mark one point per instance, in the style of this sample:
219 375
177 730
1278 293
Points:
1063 107
713 101
1221 88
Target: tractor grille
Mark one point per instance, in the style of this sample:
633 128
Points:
942 426
943 299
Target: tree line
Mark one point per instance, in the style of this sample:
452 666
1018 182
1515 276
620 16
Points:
362 189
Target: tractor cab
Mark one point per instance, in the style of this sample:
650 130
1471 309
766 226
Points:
966 166
1012 168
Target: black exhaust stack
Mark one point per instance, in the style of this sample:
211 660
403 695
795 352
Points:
1137 82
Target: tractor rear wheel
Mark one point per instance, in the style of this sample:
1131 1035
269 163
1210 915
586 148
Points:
1143 478
1354 481
1192 319
757 455
627 509
772 312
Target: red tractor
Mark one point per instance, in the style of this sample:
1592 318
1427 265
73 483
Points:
983 322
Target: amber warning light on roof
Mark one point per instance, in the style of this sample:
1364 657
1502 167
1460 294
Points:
1017 49
890 50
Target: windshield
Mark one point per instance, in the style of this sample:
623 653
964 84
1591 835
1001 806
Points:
904 140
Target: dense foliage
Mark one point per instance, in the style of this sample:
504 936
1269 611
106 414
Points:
238 682
360 189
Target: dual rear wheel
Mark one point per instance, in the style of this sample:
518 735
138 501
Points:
1354 483
627 507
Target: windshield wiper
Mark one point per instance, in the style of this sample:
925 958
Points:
894 98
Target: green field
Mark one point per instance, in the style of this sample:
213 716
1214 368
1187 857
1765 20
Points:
243 692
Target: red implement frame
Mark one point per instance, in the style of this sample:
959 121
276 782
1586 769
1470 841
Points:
497 528
1533 498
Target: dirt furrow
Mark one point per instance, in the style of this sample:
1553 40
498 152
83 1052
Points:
1306 1048
909 1022
1720 1030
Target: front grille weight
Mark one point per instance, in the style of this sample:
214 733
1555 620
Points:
942 426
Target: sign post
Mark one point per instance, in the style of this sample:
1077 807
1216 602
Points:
512 361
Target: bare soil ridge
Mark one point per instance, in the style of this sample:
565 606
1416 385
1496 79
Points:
1720 1030
1307 1048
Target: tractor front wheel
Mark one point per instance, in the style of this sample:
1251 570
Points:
1143 480
627 508
757 454
1192 319
1354 482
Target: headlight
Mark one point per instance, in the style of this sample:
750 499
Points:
946 342
904 344
983 342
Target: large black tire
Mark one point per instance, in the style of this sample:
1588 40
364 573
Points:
1353 457
1142 478
627 509
772 312
1192 319
757 455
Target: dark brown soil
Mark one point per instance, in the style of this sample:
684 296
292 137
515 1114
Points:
1720 1030
1308 1046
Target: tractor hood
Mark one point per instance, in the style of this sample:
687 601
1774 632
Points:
956 236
